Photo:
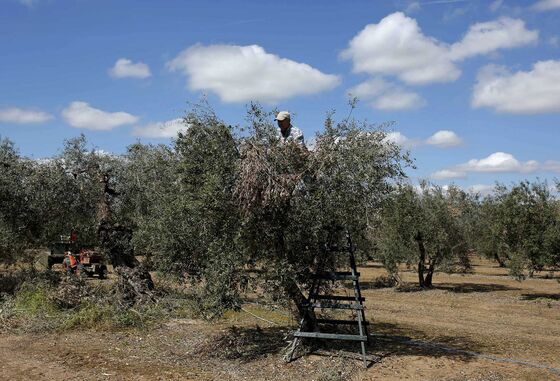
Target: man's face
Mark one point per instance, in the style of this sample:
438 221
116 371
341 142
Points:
284 124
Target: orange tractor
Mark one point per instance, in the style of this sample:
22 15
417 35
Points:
91 263
74 260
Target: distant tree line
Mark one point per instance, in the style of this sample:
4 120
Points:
231 209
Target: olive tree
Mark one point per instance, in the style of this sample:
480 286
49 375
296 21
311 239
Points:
522 226
241 209
425 228
15 218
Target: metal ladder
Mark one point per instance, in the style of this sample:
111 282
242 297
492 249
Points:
317 301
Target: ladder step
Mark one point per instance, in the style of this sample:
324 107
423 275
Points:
339 322
336 275
336 297
331 336
336 306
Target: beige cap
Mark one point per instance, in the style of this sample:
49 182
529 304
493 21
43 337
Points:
282 115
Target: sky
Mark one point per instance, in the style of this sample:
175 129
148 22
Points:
472 86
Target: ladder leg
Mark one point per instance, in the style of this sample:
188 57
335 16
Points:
292 350
313 291
364 353
293 347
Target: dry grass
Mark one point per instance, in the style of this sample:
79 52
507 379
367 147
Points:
438 334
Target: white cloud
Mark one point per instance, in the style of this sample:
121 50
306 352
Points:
387 95
446 174
441 139
444 139
486 37
481 189
168 129
245 73
401 139
396 46
499 162
102 152
371 88
23 116
399 100
552 166
523 92
82 115
546 5
125 68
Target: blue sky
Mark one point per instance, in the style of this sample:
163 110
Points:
486 73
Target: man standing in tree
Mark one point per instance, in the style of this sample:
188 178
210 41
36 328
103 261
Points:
287 132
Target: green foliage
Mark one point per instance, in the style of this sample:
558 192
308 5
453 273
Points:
428 229
231 208
16 219
35 307
33 299
43 199
521 227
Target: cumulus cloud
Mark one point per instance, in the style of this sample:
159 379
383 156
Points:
444 139
498 162
398 100
82 115
124 68
245 73
396 46
546 5
400 139
486 37
168 129
446 174
481 189
552 166
441 139
23 116
385 95
523 92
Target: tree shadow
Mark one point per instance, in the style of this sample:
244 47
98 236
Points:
459 288
473 287
389 340
540 296
247 343
385 339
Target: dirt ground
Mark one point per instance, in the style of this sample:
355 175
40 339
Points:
480 326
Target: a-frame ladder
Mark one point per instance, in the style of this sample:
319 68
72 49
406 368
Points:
317 301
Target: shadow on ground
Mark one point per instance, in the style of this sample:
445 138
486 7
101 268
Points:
253 343
247 343
473 287
459 288
540 296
